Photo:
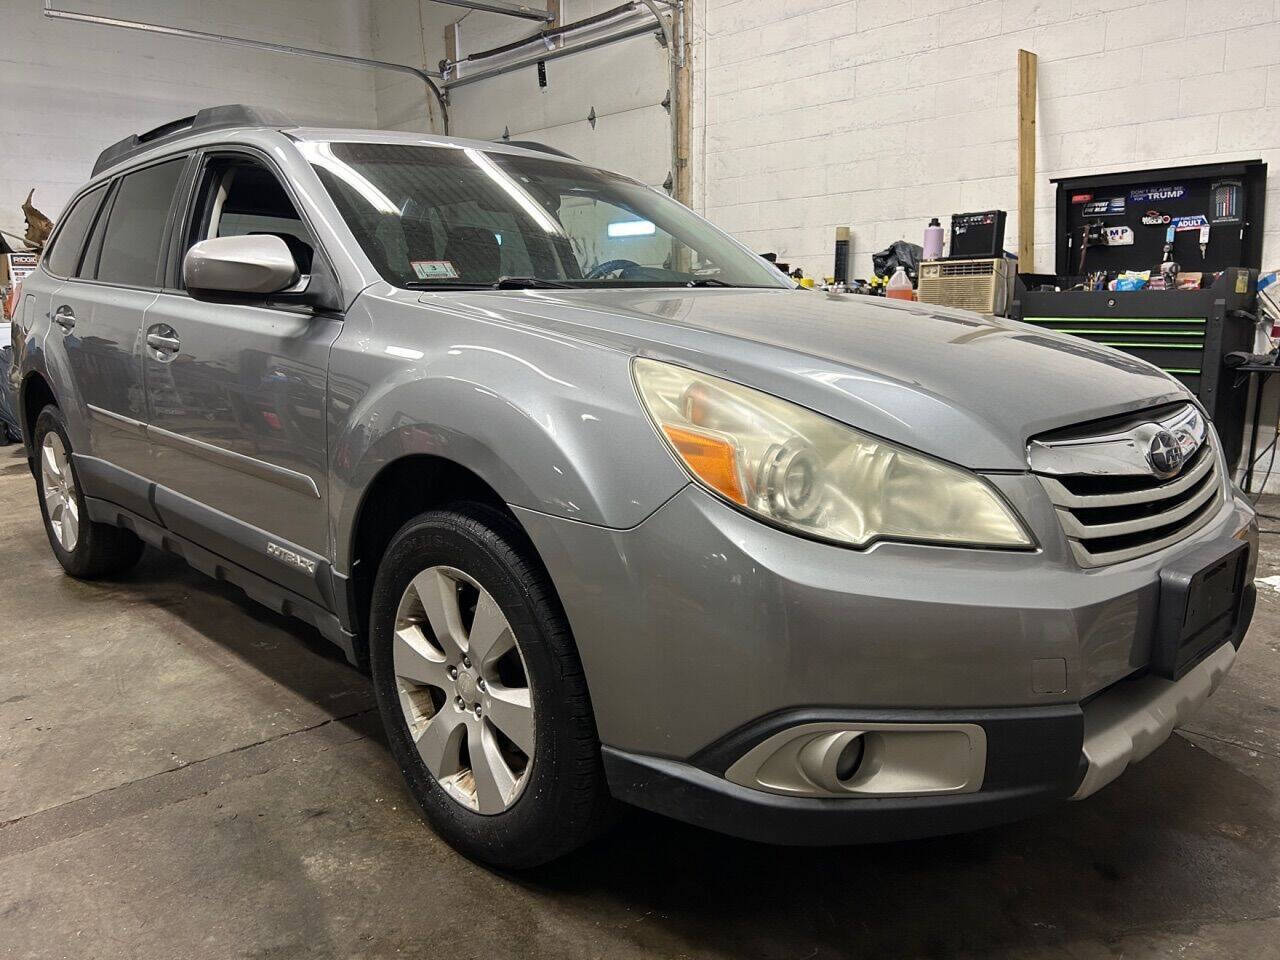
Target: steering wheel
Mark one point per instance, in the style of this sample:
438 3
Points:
609 266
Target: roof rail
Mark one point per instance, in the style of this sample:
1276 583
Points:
210 118
539 147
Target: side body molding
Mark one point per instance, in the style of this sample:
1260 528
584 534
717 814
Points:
259 469
250 466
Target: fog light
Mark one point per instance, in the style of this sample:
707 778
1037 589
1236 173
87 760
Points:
850 760
853 759
831 760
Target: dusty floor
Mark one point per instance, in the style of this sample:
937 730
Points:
185 775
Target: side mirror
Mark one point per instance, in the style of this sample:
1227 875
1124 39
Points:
247 268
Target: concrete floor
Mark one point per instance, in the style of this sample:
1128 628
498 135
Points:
184 774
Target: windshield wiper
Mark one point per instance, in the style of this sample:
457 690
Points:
708 282
529 283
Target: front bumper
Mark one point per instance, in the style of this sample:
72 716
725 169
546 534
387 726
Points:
702 632
1036 759
1033 760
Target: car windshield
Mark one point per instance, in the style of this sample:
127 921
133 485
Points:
449 217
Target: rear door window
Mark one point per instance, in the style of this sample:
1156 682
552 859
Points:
134 235
63 258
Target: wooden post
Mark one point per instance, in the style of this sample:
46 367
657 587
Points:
553 8
1026 161
450 42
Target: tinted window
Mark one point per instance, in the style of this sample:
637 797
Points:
64 255
89 262
135 230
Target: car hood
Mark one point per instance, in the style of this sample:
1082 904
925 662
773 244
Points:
960 386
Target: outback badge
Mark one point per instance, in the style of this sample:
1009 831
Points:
293 559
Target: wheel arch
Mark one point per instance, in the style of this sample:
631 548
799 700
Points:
401 490
34 394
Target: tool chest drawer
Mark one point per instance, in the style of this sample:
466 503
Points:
1174 344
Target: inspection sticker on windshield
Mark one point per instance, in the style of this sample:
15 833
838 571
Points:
434 269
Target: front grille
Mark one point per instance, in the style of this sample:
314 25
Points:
1110 503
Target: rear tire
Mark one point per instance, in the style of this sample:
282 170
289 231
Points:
512 786
86 550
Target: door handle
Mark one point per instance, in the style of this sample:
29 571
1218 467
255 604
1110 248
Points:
157 341
162 338
64 317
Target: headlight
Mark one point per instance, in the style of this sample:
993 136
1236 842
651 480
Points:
802 471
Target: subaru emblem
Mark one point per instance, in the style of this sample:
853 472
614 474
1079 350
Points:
1165 455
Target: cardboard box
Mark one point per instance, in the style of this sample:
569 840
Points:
14 268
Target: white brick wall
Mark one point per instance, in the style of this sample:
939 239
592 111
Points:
67 90
812 114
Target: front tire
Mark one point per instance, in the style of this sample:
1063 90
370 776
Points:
481 690
86 550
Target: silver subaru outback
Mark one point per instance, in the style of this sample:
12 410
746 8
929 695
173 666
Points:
612 512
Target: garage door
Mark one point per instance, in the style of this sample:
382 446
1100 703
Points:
603 106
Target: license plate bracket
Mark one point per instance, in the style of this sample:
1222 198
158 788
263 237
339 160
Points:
1200 601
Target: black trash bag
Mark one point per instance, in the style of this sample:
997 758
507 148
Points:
900 253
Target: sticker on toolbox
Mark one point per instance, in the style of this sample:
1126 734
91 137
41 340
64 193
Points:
434 269
1117 236
1112 207
1198 222
1225 200
1154 194
1081 197
1154 218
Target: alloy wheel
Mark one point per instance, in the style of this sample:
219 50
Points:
58 487
464 689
